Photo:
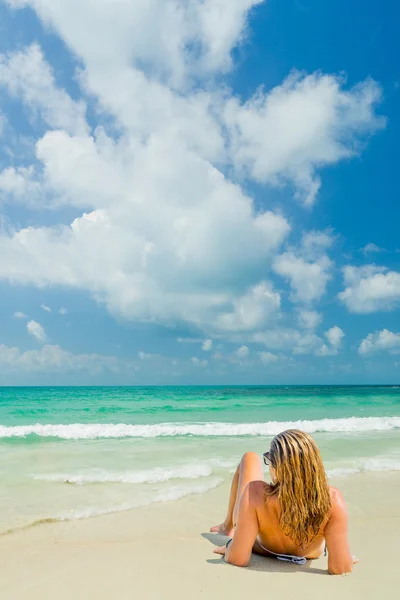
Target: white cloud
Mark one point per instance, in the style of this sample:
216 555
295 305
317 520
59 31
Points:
371 248
309 319
167 235
268 358
251 310
28 76
242 352
379 341
306 343
370 289
144 356
198 363
307 268
335 336
207 345
62 311
301 125
308 280
300 342
36 330
315 243
45 308
292 340
176 242
20 315
156 34
20 184
53 359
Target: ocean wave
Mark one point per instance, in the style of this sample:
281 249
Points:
173 493
379 464
156 475
81 431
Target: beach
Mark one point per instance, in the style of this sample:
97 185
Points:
164 551
110 492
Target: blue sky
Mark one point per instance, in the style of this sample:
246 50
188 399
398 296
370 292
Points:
199 193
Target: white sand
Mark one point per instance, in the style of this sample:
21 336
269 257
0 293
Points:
159 552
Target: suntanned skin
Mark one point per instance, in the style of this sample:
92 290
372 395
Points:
255 515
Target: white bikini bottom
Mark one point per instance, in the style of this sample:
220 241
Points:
298 560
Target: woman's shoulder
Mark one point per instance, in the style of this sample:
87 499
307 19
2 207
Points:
262 496
337 500
260 490
336 494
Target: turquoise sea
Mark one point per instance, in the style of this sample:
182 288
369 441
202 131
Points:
69 453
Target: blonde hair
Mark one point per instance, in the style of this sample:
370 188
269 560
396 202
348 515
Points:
301 485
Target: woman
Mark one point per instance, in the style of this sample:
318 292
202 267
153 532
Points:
293 518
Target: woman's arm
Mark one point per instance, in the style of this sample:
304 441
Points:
239 551
340 560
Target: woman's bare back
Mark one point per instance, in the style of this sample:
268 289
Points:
270 534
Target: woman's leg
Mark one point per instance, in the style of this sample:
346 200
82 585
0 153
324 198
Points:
249 469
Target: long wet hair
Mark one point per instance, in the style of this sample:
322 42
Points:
301 485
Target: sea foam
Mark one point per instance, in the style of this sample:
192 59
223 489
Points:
76 431
156 475
378 464
173 493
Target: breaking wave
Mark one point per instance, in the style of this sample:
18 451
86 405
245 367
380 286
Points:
156 475
81 431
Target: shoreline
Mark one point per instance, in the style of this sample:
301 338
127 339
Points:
164 550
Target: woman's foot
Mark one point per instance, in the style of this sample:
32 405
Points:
223 529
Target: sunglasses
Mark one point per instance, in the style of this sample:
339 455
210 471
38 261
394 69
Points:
267 458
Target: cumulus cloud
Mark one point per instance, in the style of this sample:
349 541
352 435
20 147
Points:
20 315
251 310
53 359
165 31
380 341
27 76
45 308
268 358
314 243
303 124
300 342
307 268
165 227
291 340
334 336
371 248
20 184
207 345
308 280
309 319
36 330
370 289
198 363
242 352
145 356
